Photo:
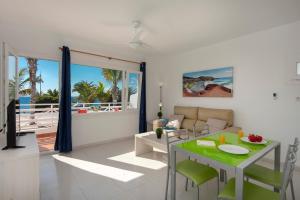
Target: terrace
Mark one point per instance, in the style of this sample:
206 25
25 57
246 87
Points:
42 119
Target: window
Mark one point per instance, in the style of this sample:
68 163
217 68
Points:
38 88
133 90
96 89
12 77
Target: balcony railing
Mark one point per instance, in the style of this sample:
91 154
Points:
31 117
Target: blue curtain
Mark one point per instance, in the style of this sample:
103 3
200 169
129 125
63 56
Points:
143 120
63 142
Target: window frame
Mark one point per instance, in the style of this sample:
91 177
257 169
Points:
140 75
124 94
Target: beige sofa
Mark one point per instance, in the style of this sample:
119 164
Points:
195 118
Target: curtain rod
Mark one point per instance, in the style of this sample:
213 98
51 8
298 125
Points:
102 56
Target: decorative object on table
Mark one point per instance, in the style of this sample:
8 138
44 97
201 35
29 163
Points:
233 149
160 114
241 133
209 83
175 122
159 123
206 143
222 139
254 139
159 132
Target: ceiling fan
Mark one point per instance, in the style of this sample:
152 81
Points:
138 35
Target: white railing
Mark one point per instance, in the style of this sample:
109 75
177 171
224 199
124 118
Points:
45 116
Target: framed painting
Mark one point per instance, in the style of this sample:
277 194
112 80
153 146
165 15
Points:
209 83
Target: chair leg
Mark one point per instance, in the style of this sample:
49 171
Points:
223 175
292 189
218 186
186 184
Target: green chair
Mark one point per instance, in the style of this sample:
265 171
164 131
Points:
196 172
270 176
255 192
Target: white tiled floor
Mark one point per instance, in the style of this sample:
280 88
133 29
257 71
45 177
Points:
101 172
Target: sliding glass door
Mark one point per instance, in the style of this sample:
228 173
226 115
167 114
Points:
9 79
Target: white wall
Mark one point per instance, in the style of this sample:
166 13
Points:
87 129
264 62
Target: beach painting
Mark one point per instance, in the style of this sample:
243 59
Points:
216 82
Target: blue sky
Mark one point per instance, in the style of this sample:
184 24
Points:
11 67
49 69
217 73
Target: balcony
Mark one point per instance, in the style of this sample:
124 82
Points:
42 119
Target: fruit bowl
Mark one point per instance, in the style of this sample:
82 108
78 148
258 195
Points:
254 139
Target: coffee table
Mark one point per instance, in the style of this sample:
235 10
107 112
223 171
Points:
145 142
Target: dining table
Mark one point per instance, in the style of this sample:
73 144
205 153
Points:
217 158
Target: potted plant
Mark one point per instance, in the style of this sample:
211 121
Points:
160 114
159 132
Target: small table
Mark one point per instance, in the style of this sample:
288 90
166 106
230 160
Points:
145 142
217 158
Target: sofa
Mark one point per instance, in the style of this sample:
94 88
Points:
195 118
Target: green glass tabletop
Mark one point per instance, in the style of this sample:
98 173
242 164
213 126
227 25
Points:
215 154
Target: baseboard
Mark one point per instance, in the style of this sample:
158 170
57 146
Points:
102 142
271 161
90 145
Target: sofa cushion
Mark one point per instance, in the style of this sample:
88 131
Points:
188 124
215 125
200 126
222 114
188 112
175 121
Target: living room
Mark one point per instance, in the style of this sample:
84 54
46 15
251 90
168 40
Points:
162 51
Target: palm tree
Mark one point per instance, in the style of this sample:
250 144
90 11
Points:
23 80
86 90
131 91
101 94
53 93
32 67
113 76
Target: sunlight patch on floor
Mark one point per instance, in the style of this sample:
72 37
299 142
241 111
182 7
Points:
132 159
99 169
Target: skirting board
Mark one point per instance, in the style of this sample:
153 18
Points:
102 142
91 144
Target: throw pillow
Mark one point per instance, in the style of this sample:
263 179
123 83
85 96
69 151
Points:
215 125
175 121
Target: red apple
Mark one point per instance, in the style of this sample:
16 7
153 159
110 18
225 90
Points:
252 138
259 138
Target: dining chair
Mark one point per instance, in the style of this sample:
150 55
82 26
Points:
254 192
196 172
269 176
